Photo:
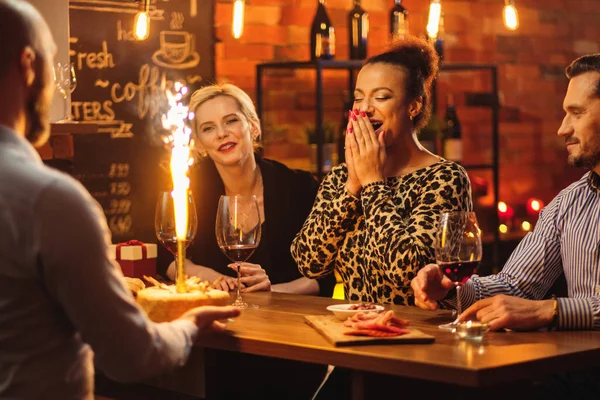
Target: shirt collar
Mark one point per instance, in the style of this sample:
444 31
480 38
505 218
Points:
593 180
11 139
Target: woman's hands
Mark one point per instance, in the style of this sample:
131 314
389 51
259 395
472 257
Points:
226 283
253 276
365 152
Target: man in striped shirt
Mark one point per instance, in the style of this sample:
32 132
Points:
566 239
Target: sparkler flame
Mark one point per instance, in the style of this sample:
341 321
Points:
175 122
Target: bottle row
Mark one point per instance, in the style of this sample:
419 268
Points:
322 34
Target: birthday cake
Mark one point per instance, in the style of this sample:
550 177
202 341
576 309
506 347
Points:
162 303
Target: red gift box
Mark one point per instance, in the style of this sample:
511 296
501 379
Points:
136 258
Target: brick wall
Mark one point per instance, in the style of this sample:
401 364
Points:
530 60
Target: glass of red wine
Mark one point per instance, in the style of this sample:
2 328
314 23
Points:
238 229
458 250
164 222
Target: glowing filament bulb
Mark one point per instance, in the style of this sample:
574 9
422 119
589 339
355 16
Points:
435 13
141 24
238 18
511 16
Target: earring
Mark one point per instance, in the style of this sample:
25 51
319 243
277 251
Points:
410 117
202 153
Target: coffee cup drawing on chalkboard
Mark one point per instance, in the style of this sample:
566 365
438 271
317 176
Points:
177 50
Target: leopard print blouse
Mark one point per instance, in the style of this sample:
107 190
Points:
379 241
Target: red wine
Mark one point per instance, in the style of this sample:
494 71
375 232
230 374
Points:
239 252
171 244
459 271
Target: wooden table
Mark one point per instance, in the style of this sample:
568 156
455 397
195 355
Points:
277 329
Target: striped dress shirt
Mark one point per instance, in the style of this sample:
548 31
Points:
566 240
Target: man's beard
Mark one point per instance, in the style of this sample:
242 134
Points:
585 161
38 115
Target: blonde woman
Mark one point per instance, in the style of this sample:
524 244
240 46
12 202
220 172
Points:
226 131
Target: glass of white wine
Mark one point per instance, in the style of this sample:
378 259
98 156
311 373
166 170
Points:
65 82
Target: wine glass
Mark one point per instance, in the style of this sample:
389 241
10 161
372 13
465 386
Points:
238 233
458 250
66 82
164 222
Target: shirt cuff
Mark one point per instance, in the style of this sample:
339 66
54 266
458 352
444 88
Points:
575 314
467 297
190 332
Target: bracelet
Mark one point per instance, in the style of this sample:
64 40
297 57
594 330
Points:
554 323
373 184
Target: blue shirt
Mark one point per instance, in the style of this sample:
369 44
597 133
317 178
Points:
60 290
566 240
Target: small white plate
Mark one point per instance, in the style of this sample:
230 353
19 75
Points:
343 311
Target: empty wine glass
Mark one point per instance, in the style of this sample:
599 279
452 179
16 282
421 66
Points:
65 82
458 250
164 222
238 233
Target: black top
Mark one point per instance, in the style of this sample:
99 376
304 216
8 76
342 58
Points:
288 198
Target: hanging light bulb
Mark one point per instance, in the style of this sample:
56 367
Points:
433 24
238 18
141 24
511 17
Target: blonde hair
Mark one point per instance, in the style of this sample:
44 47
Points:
244 102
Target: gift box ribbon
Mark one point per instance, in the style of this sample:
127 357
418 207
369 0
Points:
132 243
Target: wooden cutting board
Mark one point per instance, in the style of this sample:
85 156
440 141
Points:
333 329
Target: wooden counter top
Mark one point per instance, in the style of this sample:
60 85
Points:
278 329
498 365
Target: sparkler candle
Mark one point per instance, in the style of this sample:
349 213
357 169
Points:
175 122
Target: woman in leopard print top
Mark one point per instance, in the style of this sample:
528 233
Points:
375 216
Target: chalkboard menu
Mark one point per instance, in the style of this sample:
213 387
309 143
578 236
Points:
120 85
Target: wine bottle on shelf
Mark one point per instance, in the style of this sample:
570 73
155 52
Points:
430 134
453 133
322 35
398 20
358 22
439 40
